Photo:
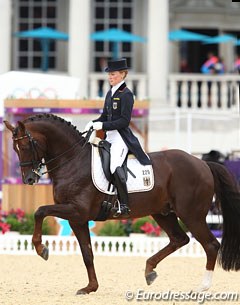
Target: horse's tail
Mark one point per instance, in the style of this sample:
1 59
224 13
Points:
227 193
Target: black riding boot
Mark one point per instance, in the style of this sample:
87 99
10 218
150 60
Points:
120 183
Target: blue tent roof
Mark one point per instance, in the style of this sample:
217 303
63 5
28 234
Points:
43 33
183 35
220 39
116 35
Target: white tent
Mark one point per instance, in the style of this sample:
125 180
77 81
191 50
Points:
15 84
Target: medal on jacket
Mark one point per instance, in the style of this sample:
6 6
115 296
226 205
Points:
115 105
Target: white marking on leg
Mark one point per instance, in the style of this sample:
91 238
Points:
207 281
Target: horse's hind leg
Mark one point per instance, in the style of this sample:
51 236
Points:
177 236
198 227
83 236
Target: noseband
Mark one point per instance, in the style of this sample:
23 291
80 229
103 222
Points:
36 163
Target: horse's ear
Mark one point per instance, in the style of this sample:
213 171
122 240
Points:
21 126
9 126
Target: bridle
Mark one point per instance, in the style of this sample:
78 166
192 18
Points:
36 162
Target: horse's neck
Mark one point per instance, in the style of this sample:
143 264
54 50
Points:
60 138
64 145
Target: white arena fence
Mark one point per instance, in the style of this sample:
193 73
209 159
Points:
104 246
135 245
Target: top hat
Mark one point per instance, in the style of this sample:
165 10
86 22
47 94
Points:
117 65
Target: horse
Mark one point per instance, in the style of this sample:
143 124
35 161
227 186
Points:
184 187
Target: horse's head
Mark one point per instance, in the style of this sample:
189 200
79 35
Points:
30 147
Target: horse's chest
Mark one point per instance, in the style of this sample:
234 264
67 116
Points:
66 192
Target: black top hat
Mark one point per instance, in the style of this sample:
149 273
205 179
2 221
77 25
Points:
117 65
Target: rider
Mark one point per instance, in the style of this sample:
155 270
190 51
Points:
114 120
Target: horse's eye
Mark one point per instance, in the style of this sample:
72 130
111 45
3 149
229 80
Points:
23 147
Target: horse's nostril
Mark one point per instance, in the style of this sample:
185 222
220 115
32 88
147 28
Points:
30 181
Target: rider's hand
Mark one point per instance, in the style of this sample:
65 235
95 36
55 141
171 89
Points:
88 126
97 125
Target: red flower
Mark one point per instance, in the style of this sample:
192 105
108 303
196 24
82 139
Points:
150 229
18 214
5 227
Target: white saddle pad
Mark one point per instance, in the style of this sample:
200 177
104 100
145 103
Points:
143 182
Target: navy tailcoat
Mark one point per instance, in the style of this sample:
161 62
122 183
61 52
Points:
116 115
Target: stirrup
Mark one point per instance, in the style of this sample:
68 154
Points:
117 209
121 210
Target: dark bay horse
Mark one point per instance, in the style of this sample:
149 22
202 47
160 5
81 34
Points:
184 188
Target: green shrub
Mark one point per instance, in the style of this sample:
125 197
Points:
111 228
14 223
27 227
26 224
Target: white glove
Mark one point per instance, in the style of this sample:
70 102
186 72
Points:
97 125
88 126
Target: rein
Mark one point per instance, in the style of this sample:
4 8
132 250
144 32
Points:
37 164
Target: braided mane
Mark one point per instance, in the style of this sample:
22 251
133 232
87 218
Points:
54 119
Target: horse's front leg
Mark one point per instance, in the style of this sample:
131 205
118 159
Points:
83 236
41 249
59 210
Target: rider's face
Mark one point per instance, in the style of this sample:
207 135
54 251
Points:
115 77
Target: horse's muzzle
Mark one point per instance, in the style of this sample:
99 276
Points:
30 178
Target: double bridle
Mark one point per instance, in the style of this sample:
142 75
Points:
36 162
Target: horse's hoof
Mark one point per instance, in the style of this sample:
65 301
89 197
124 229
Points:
150 277
45 253
81 291
203 288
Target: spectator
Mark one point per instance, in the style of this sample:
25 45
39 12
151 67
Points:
213 65
218 67
237 64
208 66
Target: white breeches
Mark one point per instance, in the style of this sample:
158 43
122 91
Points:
118 149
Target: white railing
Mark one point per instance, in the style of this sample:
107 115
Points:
194 90
99 85
204 91
107 246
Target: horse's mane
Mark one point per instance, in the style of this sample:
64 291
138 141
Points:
54 119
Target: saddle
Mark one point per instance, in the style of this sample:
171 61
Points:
140 178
